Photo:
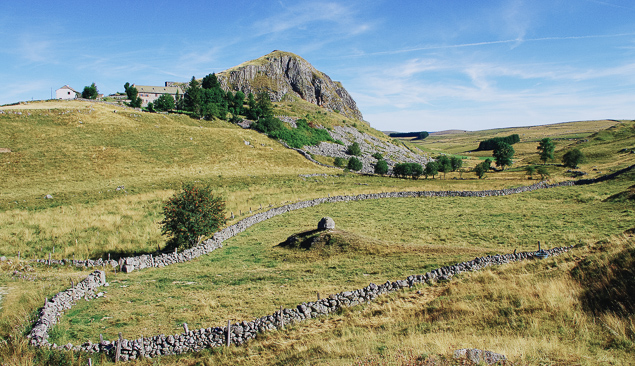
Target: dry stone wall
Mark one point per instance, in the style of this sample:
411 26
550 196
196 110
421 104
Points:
241 332
130 264
196 340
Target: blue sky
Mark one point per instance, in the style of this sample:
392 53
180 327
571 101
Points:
410 65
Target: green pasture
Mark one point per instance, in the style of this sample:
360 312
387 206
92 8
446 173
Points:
392 239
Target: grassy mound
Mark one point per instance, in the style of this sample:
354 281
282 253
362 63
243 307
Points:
326 243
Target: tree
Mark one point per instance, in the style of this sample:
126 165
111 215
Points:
339 162
546 147
572 158
193 99
480 169
264 104
544 173
238 102
164 103
210 82
133 96
530 169
432 168
422 135
252 112
192 214
416 170
402 170
90 92
503 154
355 164
381 167
456 163
353 149
444 164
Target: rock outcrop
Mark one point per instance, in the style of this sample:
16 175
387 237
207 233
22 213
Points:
283 73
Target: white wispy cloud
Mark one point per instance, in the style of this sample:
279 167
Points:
304 15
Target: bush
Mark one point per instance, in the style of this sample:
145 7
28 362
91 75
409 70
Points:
378 156
381 167
353 149
191 215
404 170
355 164
164 103
572 158
339 162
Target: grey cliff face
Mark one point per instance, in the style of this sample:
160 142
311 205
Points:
281 73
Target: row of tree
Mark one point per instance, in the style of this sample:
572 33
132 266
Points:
492 144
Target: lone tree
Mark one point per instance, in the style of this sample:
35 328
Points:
355 164
90 92
381 167
546 147
572 158
192 214
503 154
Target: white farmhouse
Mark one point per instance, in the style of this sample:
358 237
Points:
66 92
151 93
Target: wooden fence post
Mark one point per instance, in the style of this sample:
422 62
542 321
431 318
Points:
49 258
318 296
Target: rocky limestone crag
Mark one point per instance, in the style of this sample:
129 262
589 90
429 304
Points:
283 73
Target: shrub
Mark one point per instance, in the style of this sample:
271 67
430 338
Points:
572 158
164 103
355 164
378 156
191 215
353 149
339 162
381 167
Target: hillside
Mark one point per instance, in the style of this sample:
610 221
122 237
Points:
284 75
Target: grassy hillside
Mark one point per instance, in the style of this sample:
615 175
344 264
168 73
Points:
535 313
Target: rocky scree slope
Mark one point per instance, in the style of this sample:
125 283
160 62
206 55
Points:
281 73
369 145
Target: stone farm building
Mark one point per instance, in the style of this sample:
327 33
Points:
66 92
151 93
